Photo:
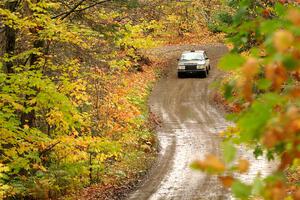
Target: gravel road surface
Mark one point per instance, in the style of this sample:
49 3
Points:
190 129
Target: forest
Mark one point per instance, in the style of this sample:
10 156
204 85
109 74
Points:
76 76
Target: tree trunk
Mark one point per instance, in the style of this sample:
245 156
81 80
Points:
10 38
30 117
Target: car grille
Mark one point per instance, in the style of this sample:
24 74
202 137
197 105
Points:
190 67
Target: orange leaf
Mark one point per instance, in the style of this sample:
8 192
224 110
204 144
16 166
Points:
243 166
276 191
270 139
277 74
286 160
283 40
227 181
250 68
296 195
214 163
294 16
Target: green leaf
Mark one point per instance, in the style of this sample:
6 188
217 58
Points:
229 151
245 3
241 190
252 122
195 166
264 84
228 91
280 9
258 151
275 177
268 27
270 155
272 99
255 52
231 62
290 63
257 186
232 117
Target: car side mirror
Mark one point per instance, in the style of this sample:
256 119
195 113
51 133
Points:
178 59
206 58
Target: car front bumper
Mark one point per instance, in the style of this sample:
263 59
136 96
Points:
190 71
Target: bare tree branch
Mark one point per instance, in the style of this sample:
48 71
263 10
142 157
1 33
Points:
49 148
66 14
90 6
74 9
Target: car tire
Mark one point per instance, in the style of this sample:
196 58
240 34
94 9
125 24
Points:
180 75
205 74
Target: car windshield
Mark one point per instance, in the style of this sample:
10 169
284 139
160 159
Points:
192 56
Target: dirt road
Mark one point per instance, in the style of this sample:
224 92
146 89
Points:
189 130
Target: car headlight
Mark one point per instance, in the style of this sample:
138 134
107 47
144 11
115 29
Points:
181 67
200 66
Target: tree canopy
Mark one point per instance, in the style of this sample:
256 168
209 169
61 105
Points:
73 89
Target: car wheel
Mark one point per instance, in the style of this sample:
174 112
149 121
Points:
180 74
205 74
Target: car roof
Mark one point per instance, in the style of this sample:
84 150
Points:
194 51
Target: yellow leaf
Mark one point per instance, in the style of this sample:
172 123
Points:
243 166
26 127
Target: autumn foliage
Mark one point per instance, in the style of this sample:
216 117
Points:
67 116
74 83
264 84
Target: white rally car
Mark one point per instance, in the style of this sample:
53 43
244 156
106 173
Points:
193 62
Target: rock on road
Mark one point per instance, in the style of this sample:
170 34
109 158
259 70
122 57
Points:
189 131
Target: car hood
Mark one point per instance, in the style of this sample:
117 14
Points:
191 62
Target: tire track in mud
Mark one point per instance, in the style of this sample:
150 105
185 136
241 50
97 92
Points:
189 130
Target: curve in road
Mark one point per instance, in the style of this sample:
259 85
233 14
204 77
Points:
189 130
